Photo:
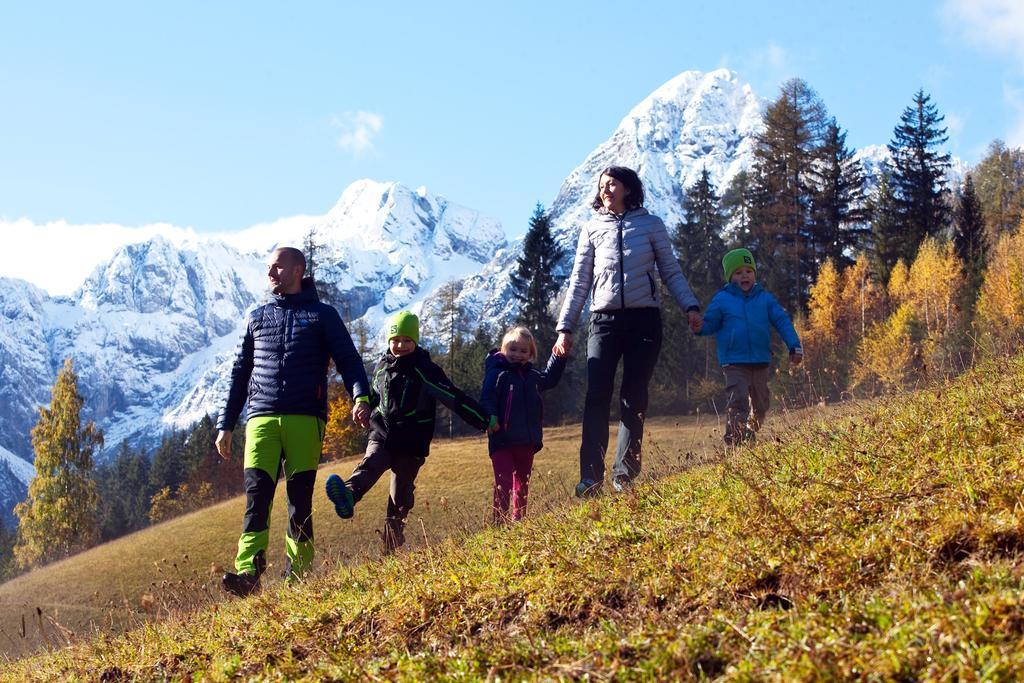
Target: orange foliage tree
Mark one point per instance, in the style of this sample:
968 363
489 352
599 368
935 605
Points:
1000 311
342 437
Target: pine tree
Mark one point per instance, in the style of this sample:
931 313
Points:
919 173
837 204
535 282
887 241
169 469
124 493
311 249
60 515
698 240
737 203
784 157
969 238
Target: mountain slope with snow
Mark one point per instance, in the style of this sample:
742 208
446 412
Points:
151 331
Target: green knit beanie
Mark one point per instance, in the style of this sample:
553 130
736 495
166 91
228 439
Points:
404 324
737 258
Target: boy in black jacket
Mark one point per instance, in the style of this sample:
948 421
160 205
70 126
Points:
404 391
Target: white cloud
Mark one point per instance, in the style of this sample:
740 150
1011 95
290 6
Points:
954 123
989 24
58 256
766 67
1015 98
358 130
996 26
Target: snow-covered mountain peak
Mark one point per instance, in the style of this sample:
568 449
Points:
696 120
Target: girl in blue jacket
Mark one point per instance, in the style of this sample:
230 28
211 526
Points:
511 395
740 316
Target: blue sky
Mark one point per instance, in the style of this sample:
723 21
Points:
217 116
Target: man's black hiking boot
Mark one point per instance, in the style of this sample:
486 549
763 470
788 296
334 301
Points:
241 584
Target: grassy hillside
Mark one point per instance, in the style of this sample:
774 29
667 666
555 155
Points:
888 545
174 568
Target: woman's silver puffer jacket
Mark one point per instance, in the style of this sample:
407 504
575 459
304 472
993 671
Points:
616 260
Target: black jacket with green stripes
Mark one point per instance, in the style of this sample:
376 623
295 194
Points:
403 394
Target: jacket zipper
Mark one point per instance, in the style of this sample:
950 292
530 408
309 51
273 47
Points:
622 266
508 405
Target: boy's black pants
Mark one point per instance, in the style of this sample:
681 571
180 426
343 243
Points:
401 499
634 336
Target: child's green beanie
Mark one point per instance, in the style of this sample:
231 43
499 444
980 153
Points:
737 258
404 324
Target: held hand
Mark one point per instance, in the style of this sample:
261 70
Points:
796 357
223 444
696 320
361 414
492 426
563 345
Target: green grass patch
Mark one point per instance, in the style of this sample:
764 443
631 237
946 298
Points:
887 545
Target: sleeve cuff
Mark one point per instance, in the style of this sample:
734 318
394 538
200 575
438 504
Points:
695 309
363 399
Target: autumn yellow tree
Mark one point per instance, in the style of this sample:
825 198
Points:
342 437
59 517
889 355
862 301
841 307
1000 310
924 335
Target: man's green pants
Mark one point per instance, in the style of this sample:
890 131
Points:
271 441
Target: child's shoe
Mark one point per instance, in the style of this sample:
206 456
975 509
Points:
341 495
241 585
588 489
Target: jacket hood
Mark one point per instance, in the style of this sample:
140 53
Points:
306 295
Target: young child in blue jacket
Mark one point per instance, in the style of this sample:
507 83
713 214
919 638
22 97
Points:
511 395
741 316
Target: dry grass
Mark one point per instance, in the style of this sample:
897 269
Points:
173 569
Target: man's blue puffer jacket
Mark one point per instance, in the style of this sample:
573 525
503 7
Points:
742 325
281 364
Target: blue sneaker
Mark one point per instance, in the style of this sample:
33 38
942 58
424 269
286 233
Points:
341 495
588 489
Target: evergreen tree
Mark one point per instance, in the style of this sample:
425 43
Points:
784 157
919 173
999 180
8 538
59 516
124 493
169 469
887 241
698 240
737 204
311 249
969 238
535 284
838 211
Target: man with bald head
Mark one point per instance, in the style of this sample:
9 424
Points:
280 373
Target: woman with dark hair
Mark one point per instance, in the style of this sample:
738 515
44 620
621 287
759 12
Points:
617 255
